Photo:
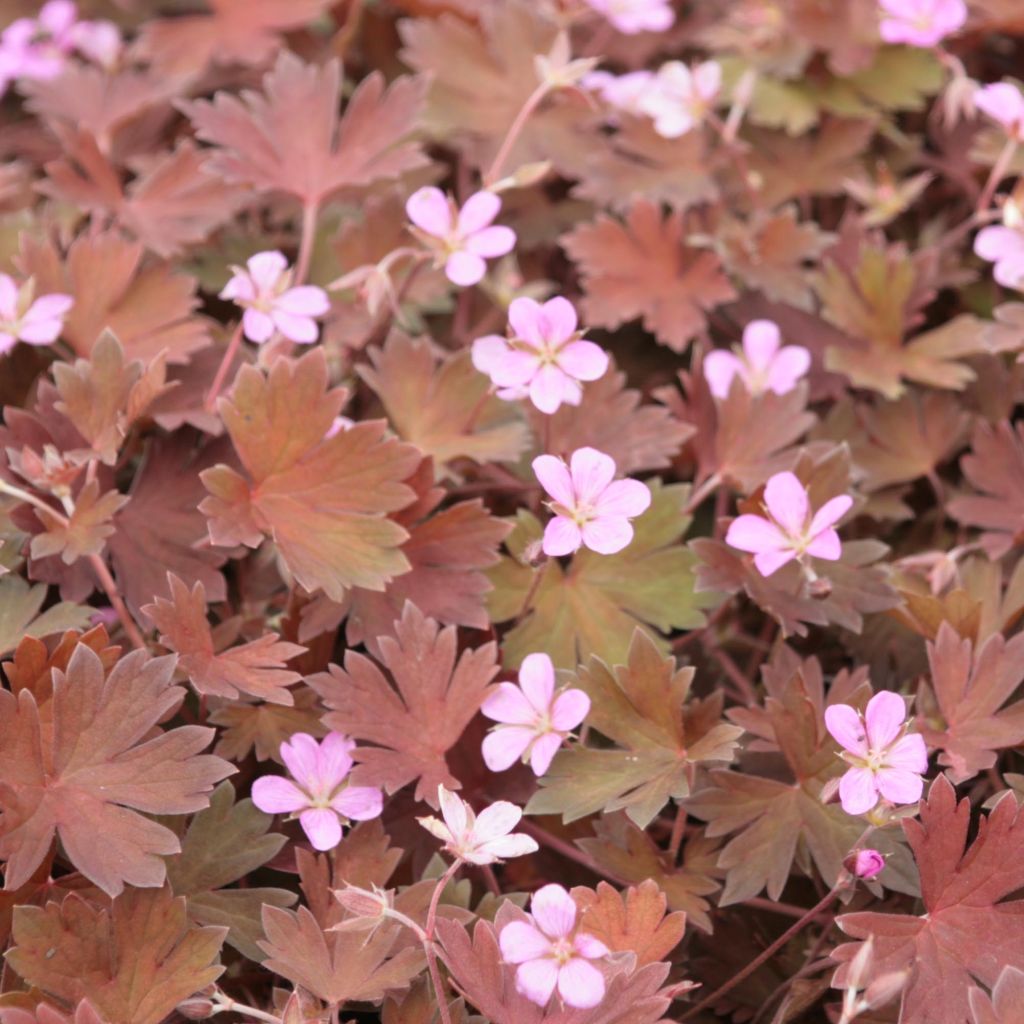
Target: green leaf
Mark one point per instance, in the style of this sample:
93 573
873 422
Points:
19 613
641 706
592 605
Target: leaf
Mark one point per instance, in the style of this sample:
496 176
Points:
324 501
44 1013
234 32
148 307
966 932
33 665
262 728
1007 999
442 405
171 203
592 606
224 843
337 967
960 713
415 720
102 396
135 962
630 854
635 921
19 613
661 738
995 467
289 138
84 532
255 668
612 419
644 268
161 529
101 763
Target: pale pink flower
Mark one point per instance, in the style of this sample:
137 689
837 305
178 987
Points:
1003 246
591 508
545 358
479 840
682 98
763 365
37 322
920 22
790 530
632 16
464 238
868 864
886 762
38 47
534 720
263 289
319 795
1004 103
624 92
100 41
550 953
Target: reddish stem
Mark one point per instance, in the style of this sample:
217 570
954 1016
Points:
222 370
515 130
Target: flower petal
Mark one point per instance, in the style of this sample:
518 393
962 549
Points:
505 745
555 478
561 537
720 367
536 979
478 211
496 820
543 751
786 499
787 369
830 513
276 795
514 369
503 848
453 810
428 209
592 471
583 360
554 911
491 242
508 704
857 791
547 389
755 533
487 351
607 535
627 498
558 319
569 710
589 947
826 545
580 984
360 803
899 786
761 340
465 269
306 300
300 329
334 760
526 320
322 827
884 718
846 727
908 752
998 243
521 942
266 268
301 756
258 326
768 562
537 679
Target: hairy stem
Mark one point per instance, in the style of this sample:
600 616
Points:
533 101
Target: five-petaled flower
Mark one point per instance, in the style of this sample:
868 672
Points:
920 22
632 16
1004 103
35 322
624 92
263 289
478 840
591 508
463 239
886 762
550 953
765 364
790 530
681 97
1003 246
319 795
546 357
534 720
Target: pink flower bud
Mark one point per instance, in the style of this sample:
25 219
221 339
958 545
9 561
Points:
868 864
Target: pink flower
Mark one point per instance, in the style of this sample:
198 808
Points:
868 863
1005 247
1003 103
100 41
38 47
681 98
463 238
263 290
920 22
886 762
789 531
590 509
549 955
625 92
534 721
35 323
763 366
632 16
482 840
545 358
318 795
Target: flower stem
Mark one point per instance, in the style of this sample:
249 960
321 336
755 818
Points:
702 492
533 101
310 212
538 576
222 371
227 1005
428 943
996 175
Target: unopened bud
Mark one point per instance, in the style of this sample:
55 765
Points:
196 1008
866 864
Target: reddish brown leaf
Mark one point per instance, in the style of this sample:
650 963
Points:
996 468
1006 1002
33 665
255 668
100 764
262 728
644 268
968 930
135 962
289 138
417 717
960 713
148 307
323 500
84 532
634 921
44 1013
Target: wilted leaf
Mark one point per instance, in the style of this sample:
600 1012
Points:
644 268
322 500
415 720
135 962
85 779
